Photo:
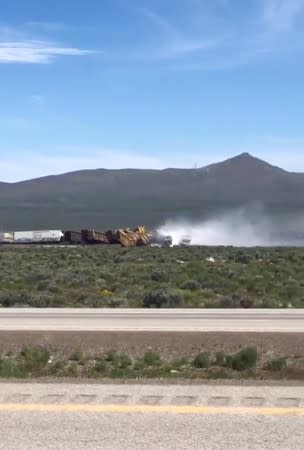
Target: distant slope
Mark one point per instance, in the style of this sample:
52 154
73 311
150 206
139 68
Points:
110 198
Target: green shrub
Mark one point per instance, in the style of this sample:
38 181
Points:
39 356
164 298
125 361
43 285
111 356
228 301
112 302
244 359
139 364
220 358
8 300
9 368
151 359
100 366
159 275
247 303
191 285
277 364
33 360
201 361
118 360
77 355
41 300
72 370
242 258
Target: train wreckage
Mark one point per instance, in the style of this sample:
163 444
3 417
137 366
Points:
126 237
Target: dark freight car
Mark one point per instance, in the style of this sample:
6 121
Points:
94 237
73 237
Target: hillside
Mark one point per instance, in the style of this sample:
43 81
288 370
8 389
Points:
110 198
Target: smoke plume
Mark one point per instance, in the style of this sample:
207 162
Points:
240 228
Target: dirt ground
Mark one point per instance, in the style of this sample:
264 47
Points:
167 344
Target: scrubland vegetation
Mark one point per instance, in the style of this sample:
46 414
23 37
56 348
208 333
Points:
203 277
244 364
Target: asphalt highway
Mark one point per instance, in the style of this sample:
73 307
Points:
178 320
114 417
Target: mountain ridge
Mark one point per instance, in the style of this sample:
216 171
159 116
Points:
102 198
245 160
242 157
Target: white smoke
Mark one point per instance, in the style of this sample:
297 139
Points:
237 228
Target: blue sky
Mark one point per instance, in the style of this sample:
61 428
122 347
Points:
149 83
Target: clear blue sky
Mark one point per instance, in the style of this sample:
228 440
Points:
149 83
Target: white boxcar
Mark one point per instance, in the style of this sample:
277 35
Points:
38 236
6 237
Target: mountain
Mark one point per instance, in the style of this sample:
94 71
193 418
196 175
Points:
243 164
110 198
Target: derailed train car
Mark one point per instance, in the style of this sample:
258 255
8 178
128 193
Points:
125 237
133 238
161 240
94 237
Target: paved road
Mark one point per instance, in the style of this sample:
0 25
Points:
288 320
113 417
